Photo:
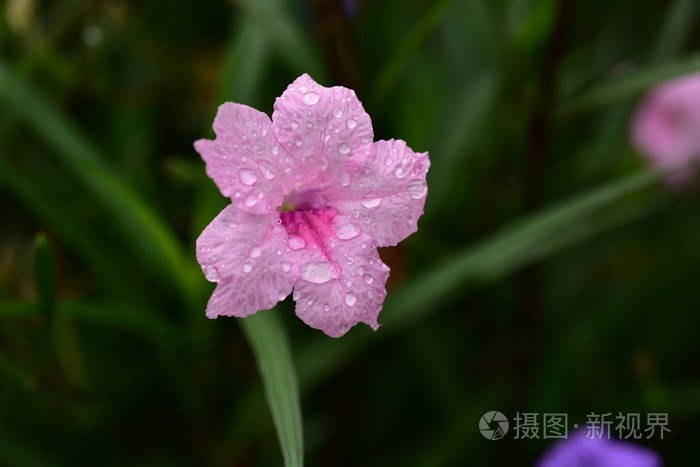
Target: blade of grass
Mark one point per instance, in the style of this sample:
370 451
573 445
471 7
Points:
274 358
73 232
387 76
463 130
154 244
299 54
678 24
628 86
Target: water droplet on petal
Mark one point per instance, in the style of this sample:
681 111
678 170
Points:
400 172
351 123
286 267
318 273
281 296
310 98
303 89
255 252
350 299
265 171
247 177
417 189
347 231
372 203
250 201
247 268
211 274
343 148
337 112
368 279
326 308
296 242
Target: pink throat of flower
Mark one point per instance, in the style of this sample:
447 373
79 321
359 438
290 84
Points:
309 226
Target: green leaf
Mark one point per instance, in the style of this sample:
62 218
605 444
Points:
628 86
274 359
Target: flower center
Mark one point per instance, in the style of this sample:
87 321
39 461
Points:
309 227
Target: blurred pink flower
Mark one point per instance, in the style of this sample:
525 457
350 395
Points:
666 126
312 199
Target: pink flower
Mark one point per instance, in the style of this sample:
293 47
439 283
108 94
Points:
312 199
666 127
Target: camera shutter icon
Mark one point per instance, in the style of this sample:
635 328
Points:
493 425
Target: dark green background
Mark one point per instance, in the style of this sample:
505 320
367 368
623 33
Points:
106 357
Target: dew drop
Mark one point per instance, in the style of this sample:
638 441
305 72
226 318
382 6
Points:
372 203
286 267
417 189
326 308
337 112
400 172
265 171
368 279
211 274
351 123
296 242
343 148
281 296
247 267
303 89
250 201
310 98
347 231
350 299
247 177
318 273
255 252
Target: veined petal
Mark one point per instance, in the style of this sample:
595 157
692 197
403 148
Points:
333 294
320 127
245 161
382 192
246 255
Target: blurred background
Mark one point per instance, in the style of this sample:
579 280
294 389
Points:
551 271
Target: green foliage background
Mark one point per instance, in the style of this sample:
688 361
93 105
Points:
552 272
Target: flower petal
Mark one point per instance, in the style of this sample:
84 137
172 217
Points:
320 127
246 255
244 160
352 291
382 192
